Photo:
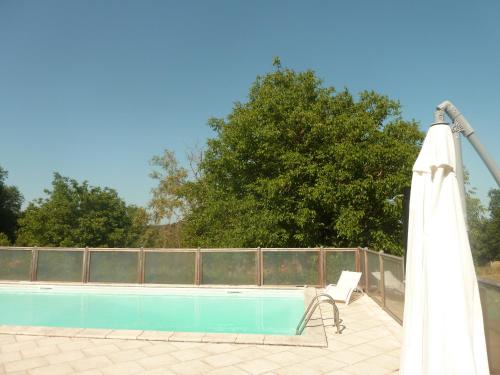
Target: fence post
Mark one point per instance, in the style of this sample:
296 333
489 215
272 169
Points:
365 254
258 279
141 266
261 267
197 268
84 265
382 279
321 260
34 263
357 260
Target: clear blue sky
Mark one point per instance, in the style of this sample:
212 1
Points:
93 89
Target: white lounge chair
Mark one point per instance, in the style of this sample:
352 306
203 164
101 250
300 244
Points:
342 291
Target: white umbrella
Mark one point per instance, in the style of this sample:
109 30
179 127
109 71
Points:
443 323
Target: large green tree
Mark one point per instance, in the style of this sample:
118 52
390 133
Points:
10 208
299 164
77 214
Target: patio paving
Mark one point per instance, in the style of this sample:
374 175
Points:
369 345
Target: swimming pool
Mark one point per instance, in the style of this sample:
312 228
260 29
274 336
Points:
145 308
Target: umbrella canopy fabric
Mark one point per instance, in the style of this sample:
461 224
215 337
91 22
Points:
443 331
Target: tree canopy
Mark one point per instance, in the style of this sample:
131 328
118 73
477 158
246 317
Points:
77 215
300 164
10 208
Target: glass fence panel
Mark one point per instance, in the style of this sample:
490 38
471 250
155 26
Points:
291 267
338 261
229 268
15 265
394 286
114 266
169 267
490 299
373 268
57 265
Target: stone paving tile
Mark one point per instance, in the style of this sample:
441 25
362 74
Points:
25 364
187 345
191 368
348 356
297 369
9 357
90 372
229 370
75 344
39 351
91 363
367 348
189 354
68 356
100 349
7 338
222 359
131 344
251 352
61 369
126 355
285 358
324 364
159 371
123 368
339 372
17 346
50 341
363 368
219 348
153 362
386 361
258 366
158 348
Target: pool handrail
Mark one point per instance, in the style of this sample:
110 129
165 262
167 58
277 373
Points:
316 301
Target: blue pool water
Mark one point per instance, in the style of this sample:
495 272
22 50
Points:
163 309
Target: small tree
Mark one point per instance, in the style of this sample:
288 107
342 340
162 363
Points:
168 204
77 215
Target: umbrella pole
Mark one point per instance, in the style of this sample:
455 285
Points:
463 126
490 163
460 169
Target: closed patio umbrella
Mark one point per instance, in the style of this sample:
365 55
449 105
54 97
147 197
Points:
443 323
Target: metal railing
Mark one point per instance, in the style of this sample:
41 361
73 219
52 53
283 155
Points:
383 280
250 266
